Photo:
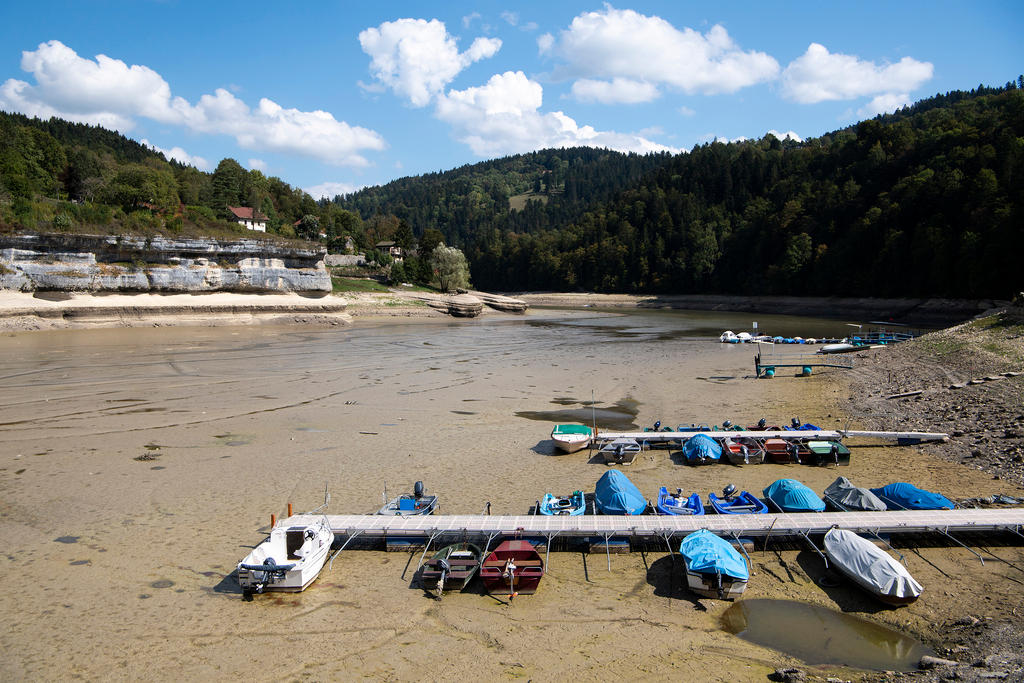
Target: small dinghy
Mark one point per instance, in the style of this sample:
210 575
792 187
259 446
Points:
407 504
843 496
871 568
513 568
701 449
289 560
615 494
551 504
678 504
903 496
789 495
713 567
620 451
826 453
570 438
451 568
742 451
732 503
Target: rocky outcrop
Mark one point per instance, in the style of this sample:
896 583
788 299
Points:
102 263
501 303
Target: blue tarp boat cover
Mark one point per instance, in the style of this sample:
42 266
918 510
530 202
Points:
904 496
792 496
701 448
706 553
615 494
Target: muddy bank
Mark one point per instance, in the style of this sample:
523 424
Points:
925 312
966 376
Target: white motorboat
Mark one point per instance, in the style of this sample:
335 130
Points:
871 568
289 560
571 438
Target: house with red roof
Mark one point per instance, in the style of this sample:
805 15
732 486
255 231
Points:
250 218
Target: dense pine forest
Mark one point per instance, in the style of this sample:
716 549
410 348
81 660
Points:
923 202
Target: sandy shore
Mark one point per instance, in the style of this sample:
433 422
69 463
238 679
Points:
138 466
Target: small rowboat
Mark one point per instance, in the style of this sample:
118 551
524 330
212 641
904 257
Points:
571 438
742 451
678 504
871 568
513 568
713 567
452 567
289 560
408 504
574 504
701 450
781 451
620 451
743 504
826 453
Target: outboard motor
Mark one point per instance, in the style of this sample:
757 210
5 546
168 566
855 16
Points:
262 578
726 424
417 490
729 491
657 425
762 423
795 422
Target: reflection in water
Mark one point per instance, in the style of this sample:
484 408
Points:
620 418
818 635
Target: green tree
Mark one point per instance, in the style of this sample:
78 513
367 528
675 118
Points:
450 267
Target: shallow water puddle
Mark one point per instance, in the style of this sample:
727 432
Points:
619 417
818 635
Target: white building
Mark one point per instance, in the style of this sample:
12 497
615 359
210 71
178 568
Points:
252 220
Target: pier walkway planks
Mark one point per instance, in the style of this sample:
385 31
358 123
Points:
640 526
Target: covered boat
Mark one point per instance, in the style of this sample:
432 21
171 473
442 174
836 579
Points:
826 453
574 504
407 504
289 560
679 504
903 496
789 495
701 449
620 451
713 567
845 497
745 503
870 567
615 494
451 567
513 568
571 437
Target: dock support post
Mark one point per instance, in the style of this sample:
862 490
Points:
750 562
289 509
338 551
887 545
547 552
807 537
945 532
273 520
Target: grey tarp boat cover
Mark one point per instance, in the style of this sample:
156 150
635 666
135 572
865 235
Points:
870 566
851 497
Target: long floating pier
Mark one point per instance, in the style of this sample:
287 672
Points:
788 434
667 526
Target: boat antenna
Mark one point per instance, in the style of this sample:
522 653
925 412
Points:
593 413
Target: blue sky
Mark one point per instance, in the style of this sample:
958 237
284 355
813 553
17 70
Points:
335 96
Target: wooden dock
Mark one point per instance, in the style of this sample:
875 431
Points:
647 526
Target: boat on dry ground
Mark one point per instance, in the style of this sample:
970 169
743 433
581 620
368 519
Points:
513 568
870 567
289 560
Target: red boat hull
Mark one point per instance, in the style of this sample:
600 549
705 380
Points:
523 578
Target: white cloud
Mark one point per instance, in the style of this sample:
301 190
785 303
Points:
511 18
110 93
468 19
258 164
331 190
418 58
545 43
180 155
503 117
884 104
818 75
629 45
686 111
616 91
788 135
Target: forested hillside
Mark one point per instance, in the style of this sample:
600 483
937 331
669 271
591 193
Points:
924 202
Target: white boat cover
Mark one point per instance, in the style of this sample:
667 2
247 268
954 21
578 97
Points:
852 497
870 566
